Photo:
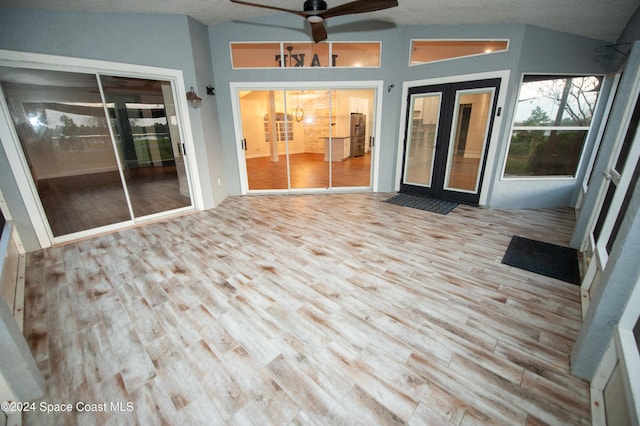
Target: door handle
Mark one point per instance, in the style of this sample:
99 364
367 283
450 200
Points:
243 144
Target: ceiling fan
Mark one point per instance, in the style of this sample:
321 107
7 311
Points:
315 12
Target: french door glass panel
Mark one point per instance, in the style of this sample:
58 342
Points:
78 169
421 139
144 124
307 139
468 139
61 124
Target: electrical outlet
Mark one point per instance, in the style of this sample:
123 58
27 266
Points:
219 182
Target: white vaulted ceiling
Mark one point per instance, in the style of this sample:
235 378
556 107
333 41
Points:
599 19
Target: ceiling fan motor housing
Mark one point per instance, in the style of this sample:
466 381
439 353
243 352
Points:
315 6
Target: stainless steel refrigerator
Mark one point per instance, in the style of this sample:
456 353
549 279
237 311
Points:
358 132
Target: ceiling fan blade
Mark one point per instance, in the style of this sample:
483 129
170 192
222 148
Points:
358 6
318 31
266 6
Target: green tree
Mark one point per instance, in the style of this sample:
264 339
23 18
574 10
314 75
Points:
538 117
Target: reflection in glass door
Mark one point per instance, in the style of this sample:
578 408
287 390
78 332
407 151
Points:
421 139
471 121
144 124
61 121
448 129
307 139
266 130
314 144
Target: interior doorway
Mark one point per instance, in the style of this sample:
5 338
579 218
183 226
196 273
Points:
447 134
318 139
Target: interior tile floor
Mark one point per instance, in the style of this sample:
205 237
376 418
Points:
308 310
82 202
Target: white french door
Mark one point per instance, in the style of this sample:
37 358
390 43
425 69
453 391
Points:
620 178
615 390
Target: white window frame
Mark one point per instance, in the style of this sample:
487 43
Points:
589 129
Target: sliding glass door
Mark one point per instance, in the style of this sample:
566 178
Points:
101 150
302 139
148 143
312 115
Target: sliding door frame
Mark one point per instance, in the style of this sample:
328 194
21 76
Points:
18 162
237 87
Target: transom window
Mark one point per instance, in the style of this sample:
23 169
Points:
552 119
305 55
426 51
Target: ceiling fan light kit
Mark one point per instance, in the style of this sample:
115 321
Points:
316 12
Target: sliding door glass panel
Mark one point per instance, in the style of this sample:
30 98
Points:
468 139
307 139
421 139
144 124
354 112
314 144
265 134
61 124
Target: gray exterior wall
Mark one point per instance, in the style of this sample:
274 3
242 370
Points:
532 50
202 53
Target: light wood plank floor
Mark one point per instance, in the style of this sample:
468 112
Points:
308 310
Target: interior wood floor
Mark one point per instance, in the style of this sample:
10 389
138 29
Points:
82 202
308 171
308 310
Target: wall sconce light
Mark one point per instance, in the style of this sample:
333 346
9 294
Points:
193 99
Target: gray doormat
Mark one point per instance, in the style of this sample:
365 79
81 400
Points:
543 258
422 203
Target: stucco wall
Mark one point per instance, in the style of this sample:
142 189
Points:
202 53
532 50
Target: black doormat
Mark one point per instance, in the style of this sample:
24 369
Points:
422 203
543 258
